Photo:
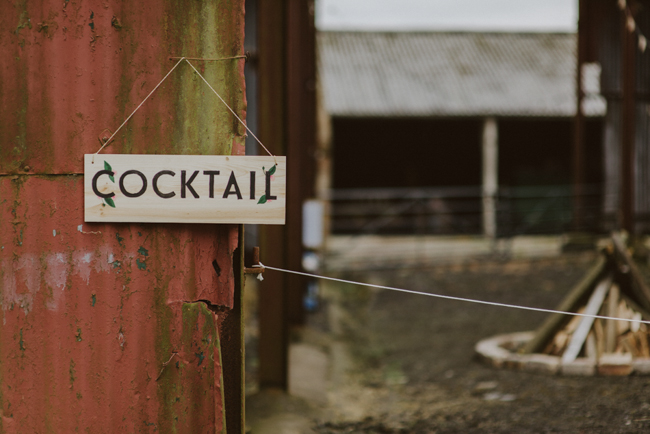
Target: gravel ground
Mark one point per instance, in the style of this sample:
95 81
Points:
412 368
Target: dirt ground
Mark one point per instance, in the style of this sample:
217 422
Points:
405 363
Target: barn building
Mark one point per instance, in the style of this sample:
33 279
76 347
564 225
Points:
458 132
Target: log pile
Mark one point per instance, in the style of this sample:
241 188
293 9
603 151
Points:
604 336
613 288
584 345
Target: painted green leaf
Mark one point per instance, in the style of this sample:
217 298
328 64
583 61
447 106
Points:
108 167
262 199
272 169
109 201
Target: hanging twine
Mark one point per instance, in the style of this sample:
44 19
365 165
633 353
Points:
187 59
137 108
231 111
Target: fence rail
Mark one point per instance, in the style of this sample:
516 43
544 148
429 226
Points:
458 210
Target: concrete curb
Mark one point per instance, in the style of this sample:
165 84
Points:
497 351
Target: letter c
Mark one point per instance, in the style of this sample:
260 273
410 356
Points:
154 184
94 183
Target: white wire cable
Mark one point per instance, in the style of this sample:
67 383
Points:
449 297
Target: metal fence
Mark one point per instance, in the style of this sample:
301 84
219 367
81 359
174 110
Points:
458 210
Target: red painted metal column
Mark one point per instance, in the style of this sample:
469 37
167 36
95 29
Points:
111 327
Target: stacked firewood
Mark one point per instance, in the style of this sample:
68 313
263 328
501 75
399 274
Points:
614 288
604 336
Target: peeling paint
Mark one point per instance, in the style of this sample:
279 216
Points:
142 265
20 281
82 264
21 342
72 372
56 272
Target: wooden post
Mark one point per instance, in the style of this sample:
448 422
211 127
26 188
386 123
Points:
286 37
273 332
627 126
300 60
579 125
490 151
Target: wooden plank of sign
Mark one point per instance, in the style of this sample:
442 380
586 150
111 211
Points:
184 189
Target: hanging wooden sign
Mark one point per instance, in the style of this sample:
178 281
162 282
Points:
184 188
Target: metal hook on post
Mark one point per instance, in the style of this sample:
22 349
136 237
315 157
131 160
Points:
258 267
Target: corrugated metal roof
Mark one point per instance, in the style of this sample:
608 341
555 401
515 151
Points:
450 74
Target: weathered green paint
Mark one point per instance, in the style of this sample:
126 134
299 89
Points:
180 387
72 373
141 264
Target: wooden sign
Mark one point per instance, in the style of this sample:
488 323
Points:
184 188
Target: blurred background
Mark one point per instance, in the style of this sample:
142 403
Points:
427 133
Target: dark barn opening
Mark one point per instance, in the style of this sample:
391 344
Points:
475 135
536 174
425 175
394 152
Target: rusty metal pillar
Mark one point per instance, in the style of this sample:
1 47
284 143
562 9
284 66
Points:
628 72
113 327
